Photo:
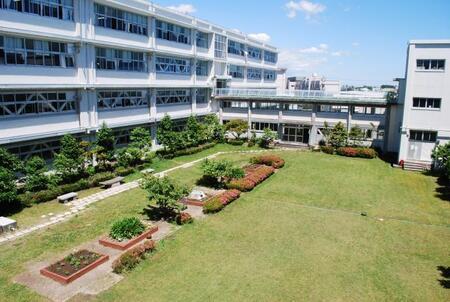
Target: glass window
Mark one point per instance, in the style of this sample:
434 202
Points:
235 105
202 68
124 60
236 71
173 65
427 103
117 99
173 96
236 48
423 136
59 9
254 53
202 39
220 43
265 106
333 108
117 19
254 74
172 32
202 95
298 107
429 64
258 126
270 75
270 56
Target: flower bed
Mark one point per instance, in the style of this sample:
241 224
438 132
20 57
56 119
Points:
269 160
128 260
126 244
74 266
356 152
254 176
217 203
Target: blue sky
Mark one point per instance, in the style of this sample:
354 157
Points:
357 42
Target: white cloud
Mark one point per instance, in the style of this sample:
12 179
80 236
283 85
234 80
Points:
261 37
340 53
309 8
321 49
184 8
355 44
299 62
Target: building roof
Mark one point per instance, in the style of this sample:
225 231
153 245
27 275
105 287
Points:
435 42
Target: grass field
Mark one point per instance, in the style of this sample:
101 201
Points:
297 237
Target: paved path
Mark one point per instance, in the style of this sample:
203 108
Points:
81 204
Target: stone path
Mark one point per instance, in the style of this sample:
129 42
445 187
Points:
81 204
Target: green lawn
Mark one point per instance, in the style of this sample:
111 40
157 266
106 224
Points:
298 236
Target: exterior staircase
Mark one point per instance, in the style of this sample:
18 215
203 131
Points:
416 165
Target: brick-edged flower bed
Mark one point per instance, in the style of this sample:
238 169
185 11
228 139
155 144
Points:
74 266
218 202
254 175
361 152
126 244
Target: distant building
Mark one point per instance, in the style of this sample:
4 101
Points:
313 82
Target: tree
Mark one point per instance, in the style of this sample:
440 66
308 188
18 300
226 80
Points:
8 192
356 135
213 129
193 131
338 136
236 128
165 193
36 179
9 161
165 132
267 138
140 138
104 147
129 157
441 157
69 162
221 171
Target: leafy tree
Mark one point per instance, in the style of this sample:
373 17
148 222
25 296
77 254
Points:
165 132
213 129
36 179
221 171
441 156
69 162
9 161
237 127
193 131
356 135
267 138
338 136
104 147
8 192
140 138
129 157
165 193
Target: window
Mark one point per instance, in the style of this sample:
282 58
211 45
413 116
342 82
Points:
426 103
333 108
20 51
202 68
117 99
270 75
369 110
235 105
172 32
16 104
173 65
422 136
254 74
270 56
261 126
298 107
254 53
202 39
265 106
236 71
124 60
117 19
202 95
173 96
220 43
236 48
430 64
59 9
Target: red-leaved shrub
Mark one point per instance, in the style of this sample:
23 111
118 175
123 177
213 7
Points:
254 176
131 258
269 160
183 218
356 152
218 202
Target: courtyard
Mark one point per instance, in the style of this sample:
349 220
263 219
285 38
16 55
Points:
322 228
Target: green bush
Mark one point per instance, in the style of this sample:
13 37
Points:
130 259
80 185
8 192
235 142
213 205
96 179
327 149
122 171
126 228
188 151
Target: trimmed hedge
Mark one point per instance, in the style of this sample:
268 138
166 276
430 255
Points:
213 205
217 203
327 149
236 142
188 151
131 258
122 171
184 218
255 175
357 152
268 160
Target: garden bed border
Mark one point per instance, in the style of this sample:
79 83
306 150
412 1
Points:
122 246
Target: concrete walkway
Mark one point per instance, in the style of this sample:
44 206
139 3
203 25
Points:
81 204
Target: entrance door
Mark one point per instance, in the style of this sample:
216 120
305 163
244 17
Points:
296 133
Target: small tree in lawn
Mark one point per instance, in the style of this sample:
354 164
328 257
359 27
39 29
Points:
9 161
220 171
69 162
36 179
165 193
140 138
8 193
193 131
214 131
236 128
356 135
165 132
338 136
267 138
104 146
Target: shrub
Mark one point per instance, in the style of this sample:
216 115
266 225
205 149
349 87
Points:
242 184
80 185
129 157
213 205
96 179
327 149
269 160
122 171
221 170
356 152
236 142
189 151
183 218
268 138
130 259
255 175
347 151
36 179
338 135
126 228
367 153
229 196
8 192
69 161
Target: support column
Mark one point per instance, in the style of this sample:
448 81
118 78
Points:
313 134
349 118
194 101
280 122
220 104
153 130
153 110
249 119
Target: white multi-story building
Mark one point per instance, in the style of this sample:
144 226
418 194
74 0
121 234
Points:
67 66
421 120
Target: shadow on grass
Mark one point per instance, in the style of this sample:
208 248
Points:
443 189
155 213
209 182
445 274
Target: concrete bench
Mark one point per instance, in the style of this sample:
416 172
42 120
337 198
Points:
148 171
67 197
7 225
112 182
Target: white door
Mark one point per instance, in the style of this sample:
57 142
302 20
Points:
414 150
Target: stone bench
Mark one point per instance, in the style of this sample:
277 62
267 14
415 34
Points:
147 171
7 225
112 182
67 197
